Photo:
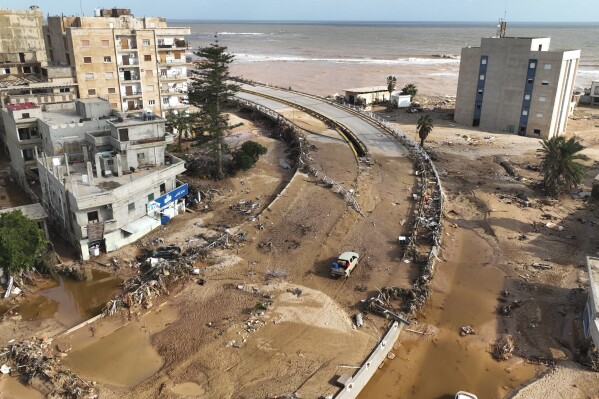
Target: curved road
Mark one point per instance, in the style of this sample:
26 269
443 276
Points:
377 141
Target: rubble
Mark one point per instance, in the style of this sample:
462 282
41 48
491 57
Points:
503 348
33 358
467 330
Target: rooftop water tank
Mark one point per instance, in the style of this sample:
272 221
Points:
97 12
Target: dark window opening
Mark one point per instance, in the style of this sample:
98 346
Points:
537 131
124 134
131 207
28 154
150 197
530 81
26 69
22 57
163 188
92 217
477 106
540 47
476 122
25 115
522 131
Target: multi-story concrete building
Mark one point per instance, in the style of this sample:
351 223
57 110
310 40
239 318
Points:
516 85
106 179
24 75
135 63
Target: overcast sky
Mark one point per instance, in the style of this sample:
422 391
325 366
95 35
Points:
333 10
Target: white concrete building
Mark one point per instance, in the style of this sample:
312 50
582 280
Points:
516 85
369 94
105 179
590 318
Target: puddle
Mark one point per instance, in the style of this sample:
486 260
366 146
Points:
188 389
10 388
123 358
72 302
465 293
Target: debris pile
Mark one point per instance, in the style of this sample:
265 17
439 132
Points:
34 358
139 291
503 348
467 330
244 207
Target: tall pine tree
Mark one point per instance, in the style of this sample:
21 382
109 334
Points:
210 89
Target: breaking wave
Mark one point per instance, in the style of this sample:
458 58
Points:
250 58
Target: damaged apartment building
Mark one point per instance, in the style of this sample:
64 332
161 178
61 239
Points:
105 177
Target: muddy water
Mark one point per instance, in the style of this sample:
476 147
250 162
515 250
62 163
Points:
123 358
465 293
10 388
71 302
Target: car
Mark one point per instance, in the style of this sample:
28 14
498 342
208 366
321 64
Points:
345 264
169 252
465 395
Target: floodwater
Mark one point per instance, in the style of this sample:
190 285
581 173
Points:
10 388
124 358
72 302
465 293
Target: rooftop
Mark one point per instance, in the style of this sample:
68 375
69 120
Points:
368 89
33 211
20 80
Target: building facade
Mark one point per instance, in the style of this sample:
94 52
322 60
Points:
134 63
516 85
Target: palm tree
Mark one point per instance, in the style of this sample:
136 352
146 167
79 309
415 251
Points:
559 168
410 89
391 82
425 126
180 124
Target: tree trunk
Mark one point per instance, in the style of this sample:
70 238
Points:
219 163
422 142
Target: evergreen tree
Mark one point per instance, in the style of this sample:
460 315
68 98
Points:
210 89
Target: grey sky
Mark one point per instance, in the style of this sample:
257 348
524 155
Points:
334 10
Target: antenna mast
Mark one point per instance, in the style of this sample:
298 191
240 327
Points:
501 28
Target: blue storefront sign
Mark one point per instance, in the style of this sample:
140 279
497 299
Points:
171 196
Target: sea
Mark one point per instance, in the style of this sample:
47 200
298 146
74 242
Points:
319 56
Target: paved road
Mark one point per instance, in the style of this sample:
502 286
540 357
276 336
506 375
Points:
377 141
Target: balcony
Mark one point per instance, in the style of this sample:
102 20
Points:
173 61
180 77
176 45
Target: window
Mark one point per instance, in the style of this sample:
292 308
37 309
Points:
141 157
532 65
480 91
89 76
530 81
152 102
165 100
547 66
107 58
537 131
542 99
87 60
109 75
7 70
527 97
131 207
26 69
114 105
28 154
481 77
28 133
92 217
150 88
149 73
84 43
539 114
545 82
105 43
91 92
111 90
145 42
525 112
25 115
65 90
152 25
540 47
163 188
483 61
147 57
477 106
151 197
124 134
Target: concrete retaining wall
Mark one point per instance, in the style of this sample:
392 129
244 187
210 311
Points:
370 366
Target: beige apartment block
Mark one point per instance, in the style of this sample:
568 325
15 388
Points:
516 85
133 63
21 41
